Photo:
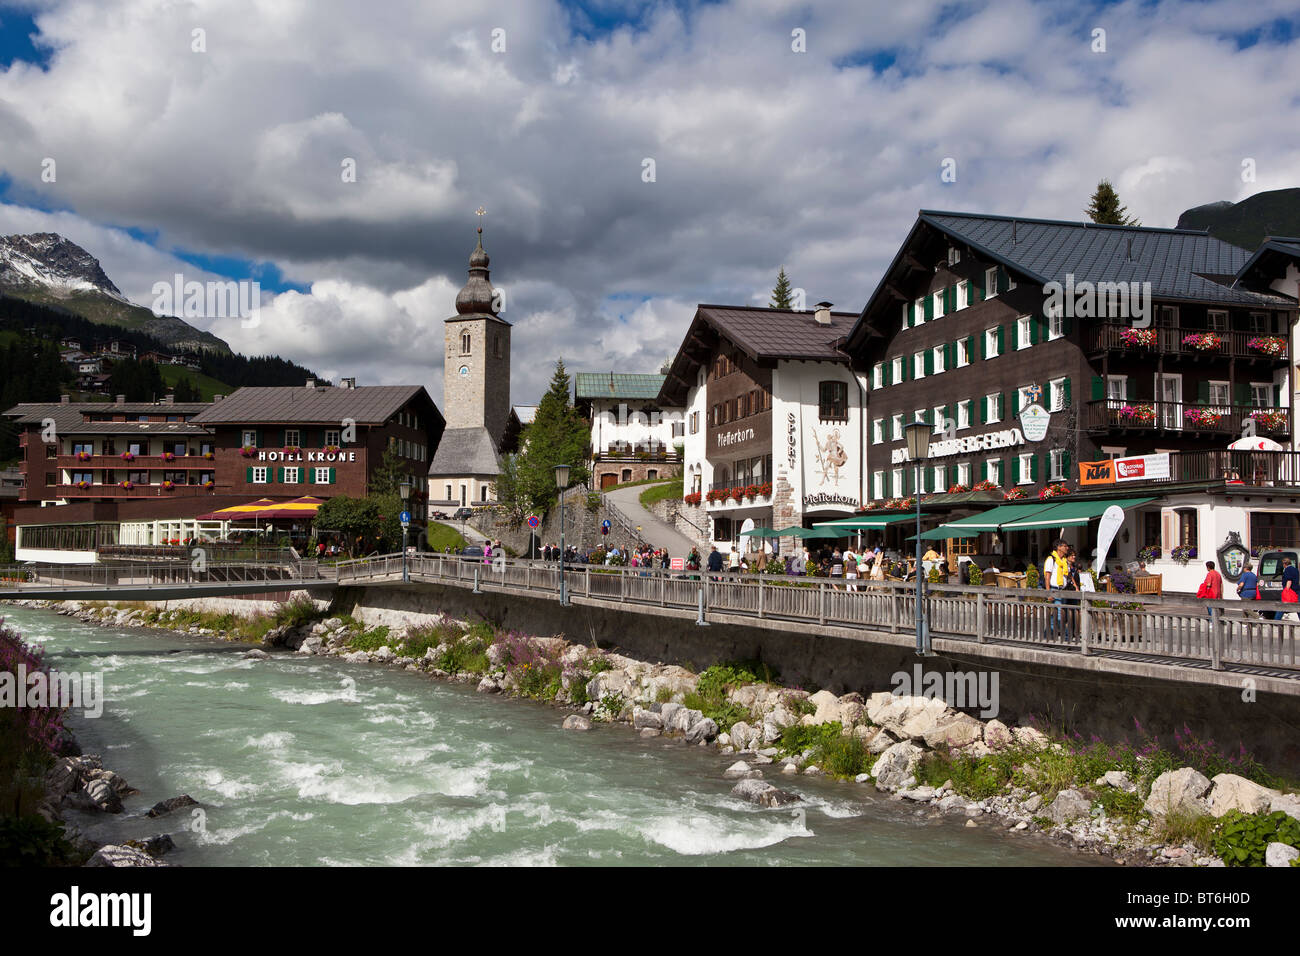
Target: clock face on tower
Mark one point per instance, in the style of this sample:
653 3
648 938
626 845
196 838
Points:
464 370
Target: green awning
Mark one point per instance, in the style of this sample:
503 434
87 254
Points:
865 523
995 518
944 532
797 532
1068 514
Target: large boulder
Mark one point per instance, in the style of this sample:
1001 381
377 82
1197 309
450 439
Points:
311 645
683 719
576 722
702 730
103 796
828 707
609 682
172 803
642 718
745 737
1117 779
880 741
1279 854
1231 792
123 856
763 793
1288 803
1069 805
1178 791
955 732
1031 738
893 768
997 735
740 770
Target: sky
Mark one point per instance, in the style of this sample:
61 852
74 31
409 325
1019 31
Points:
632 160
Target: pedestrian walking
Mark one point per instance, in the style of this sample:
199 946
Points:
1211 588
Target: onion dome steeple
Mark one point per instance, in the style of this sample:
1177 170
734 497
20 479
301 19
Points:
476 295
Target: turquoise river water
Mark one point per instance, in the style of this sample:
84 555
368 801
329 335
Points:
310 761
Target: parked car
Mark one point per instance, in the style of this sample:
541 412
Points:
1269 570
472 553
440 514
463 513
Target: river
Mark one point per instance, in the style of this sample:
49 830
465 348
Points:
308 761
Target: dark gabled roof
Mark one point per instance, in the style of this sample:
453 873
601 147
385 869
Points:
1184 264
465 451
366 405
765 335
616 385
1272 248
67 414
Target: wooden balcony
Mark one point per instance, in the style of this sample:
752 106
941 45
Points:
1172 342
1142 415
72 492
1254 468
138 463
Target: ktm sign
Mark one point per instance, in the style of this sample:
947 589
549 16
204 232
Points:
1097 472
1137 468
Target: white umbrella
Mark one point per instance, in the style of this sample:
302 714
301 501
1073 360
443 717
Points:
1255 444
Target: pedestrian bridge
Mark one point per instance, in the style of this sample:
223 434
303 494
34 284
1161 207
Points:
1190 640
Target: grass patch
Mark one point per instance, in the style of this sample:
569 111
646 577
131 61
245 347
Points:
420 639
371 640
1178 828
1121 805
443 536
710 694
835 752
663 492
976 779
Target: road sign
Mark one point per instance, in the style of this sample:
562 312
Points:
605 524
678 564
534 521
404 517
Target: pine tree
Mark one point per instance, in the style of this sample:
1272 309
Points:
1105 207
558 435
781 293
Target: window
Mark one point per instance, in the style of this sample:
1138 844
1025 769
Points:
291 476
1055 323
259 475
1261 394
918 365
963 294
896 483
833 401
87 476
1217 394
1258 322
137 448
919 315
878 484
332 439
482 489
679 429
993 470
937 298
963 414
323 476
878 375
1058 389
1167 315
1274 529
963 473
963 353
292 438
877 431
907 315
939 421
1023 332
936 478
1116 387
1026 469
896 427
954 255
138 477
250 439
990 282
1117 451
464 343
992 408
990 343
1216 320
1056 460
938 358
1023 397
695 423
896 373
1187 531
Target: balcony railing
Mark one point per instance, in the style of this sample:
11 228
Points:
1148 415
1233 467
1206 344
139 462
622 451
137 490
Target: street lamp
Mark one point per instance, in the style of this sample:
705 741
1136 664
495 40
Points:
562 482
404 489
918 449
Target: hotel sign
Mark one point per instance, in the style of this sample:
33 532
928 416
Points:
961 446
331 456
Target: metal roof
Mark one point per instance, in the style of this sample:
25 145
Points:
1179 263
366 405
465 451
66 414
616 385
525 413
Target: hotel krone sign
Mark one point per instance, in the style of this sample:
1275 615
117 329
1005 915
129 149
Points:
989 441
335 456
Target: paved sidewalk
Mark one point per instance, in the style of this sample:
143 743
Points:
656 532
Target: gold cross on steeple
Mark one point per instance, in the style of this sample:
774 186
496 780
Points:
480 211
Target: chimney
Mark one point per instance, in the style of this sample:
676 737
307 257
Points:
217 398
311 383
348 382
823 314
170 398
121 399
65 399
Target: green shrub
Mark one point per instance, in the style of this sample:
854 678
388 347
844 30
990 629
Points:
598 665
1031 576
800 706
1242 839
371 640
482 630
442 536
31 840
420 639
797 738
663 695
468 655
609 706
1120 804
298 611
978 779
844 756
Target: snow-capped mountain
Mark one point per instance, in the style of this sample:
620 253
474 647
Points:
47 261
50 270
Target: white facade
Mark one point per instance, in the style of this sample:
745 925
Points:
616 424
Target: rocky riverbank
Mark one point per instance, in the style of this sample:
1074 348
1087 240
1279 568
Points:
1136 804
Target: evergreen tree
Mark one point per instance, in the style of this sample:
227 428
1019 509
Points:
185 391
781 293
1105 207
558 435
390 471
515 507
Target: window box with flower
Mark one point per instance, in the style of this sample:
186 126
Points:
692 499
168 484
1139 414
987 485
1273 346
1202 417
1015 494
957 488
1203 341
1138 338
127 456
209 483
127 485
1151 552
1054 490
84 456
83 484
248 451
1183 553
1269 418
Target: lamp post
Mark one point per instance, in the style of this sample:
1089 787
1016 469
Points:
562 482
404 489
918 449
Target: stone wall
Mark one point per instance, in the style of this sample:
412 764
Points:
581 526
1074 698
688 520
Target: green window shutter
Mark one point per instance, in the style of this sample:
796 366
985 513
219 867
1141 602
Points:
1129 389
1065 464
311 476
1015 469
1243 394
979 341
950 355
1033 331
970 348
1098 388
928 363
1066 390
885 371
1002 279
929 307
331 476
279 475
949 414
977 288
950 299
248 476
1277 396
1033 468
1202 393
1067 324
1002 339
257 438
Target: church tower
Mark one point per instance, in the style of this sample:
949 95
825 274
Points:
476 365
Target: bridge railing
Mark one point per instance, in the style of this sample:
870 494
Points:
140 573
1168 629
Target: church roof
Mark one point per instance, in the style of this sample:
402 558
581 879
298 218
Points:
465 451
476 299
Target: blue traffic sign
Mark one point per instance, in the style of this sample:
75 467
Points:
404 517
605 524
534 521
